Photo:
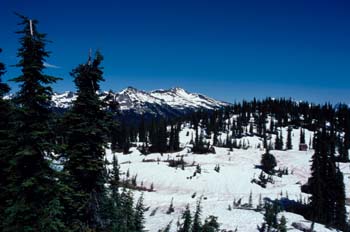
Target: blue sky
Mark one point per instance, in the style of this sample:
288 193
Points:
230 50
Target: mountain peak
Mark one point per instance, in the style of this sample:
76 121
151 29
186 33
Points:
173 101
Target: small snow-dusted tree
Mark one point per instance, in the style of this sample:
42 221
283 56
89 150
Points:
171 207
250 201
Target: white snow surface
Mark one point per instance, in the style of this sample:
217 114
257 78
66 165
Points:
219 190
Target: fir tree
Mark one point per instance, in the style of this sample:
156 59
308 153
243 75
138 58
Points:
126 214
139 215
211 224
5 142
340 210
33 187
302 136
187 220
197 224
289 145
86 135
268 162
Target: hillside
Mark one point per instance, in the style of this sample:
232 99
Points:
220 189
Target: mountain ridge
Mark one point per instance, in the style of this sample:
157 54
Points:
160 102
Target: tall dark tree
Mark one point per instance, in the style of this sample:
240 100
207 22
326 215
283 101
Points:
340 210
86 135
289 144
33 205
302 136
5 142
326 184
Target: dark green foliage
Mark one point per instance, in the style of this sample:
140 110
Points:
126 215
139 215
211 224
197 224
302 136
326 184
5 142
86 139
282 227
289 145
268 162
270 218
187 220
32 188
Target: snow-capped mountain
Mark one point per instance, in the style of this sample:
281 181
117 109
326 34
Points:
171 102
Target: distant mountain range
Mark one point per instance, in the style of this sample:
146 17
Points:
158 103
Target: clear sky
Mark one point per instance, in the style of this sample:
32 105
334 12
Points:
227 49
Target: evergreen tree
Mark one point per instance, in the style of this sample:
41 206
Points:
302 136
211 224
33 187
114 183
282 227
250 200
289 145
187 220
340 210
139 215
197 224
268 162
5 142
126 214
326 184
86 139
316 182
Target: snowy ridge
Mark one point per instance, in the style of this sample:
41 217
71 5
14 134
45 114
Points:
157 102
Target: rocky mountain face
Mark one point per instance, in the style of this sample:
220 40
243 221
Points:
158 103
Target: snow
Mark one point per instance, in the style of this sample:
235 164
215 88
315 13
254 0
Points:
131 98
219 190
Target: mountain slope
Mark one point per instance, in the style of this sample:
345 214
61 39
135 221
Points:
166 103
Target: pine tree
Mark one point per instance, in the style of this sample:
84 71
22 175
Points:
289 139
34 204
250 200
211 224
139 215
187 220
5 142
171 207
126 214
340 210
326 184
302 136
86 135
268 162
197 224
282 227
316 182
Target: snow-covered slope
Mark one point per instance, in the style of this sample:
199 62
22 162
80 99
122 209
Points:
180 98
175 101
220 189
